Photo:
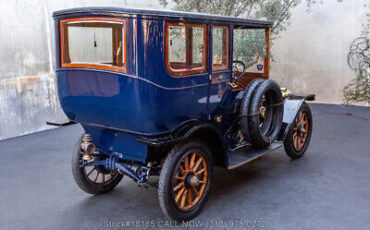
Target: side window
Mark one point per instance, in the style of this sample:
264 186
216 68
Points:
220 48
250 46
94 43
186 48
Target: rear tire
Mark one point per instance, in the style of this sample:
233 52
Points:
84 177
297 139
188 169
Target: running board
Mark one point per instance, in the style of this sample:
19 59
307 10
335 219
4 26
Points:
244 155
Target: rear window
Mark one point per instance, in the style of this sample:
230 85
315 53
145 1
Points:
94 43
186 48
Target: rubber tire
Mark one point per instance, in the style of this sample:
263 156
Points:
288 142
81 178
244 107
165 180
256 137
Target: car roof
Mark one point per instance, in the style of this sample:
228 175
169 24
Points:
165 13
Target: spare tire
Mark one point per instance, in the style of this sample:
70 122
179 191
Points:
244 107
264 115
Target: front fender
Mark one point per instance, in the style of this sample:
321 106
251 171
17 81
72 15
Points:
291 108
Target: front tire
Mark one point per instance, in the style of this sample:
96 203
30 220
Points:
93 180
185 181
299 135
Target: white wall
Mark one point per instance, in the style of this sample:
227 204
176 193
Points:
311 56
27 81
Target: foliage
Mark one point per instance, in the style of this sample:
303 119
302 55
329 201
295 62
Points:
278 11
250 46
358 58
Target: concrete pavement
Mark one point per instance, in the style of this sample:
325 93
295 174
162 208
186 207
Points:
329 188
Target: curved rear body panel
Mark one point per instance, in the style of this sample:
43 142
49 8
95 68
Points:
124 103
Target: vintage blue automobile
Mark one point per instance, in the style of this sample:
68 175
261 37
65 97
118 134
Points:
171 94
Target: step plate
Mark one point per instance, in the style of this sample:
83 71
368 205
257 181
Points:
248 153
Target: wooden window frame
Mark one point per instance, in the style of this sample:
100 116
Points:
222 67
203 68
86 65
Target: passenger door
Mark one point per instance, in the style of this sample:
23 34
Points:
220 63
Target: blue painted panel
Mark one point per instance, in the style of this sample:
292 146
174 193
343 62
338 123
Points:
113 141
127 103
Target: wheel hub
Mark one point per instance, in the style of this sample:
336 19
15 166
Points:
301 130
193 181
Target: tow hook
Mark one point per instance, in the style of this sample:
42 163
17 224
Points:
87 147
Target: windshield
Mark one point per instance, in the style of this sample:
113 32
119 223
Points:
93 43
250 46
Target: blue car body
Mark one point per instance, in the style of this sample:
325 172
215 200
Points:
139 110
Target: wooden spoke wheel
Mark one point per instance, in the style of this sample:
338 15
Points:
97 175
299 135
91 179
190 180
185 180
300 130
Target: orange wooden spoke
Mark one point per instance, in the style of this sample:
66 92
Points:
201 190
182 171
304 116
295 134
202 182
190 201
183 198
200 171
192 160
179 178
196 191
297 144
92 170
181 184
198 163
179 194
186 162
301 143
96 176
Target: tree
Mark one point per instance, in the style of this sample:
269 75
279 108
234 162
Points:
278 11
250 47
358 58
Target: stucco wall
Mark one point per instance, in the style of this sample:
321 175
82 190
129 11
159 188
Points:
311 56
27 81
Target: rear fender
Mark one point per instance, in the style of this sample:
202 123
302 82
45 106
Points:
207 133
213 137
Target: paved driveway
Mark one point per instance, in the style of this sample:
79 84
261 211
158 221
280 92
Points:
329 188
